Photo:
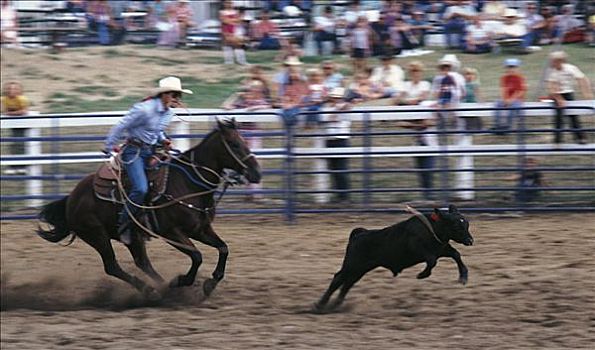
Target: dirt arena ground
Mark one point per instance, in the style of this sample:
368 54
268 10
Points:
531 286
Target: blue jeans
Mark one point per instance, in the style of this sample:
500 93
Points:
290 116
454 30
269 43
134 159
513 113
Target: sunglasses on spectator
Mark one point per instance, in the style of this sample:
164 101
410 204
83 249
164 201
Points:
177 95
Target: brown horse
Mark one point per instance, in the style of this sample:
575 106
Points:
188 209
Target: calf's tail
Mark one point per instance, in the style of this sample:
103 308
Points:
54 214
356 232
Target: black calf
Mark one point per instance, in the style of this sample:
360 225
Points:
397 247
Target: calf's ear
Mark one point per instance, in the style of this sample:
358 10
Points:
453 209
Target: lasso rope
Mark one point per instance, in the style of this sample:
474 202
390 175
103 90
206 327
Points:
423 219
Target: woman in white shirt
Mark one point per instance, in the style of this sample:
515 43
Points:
415 90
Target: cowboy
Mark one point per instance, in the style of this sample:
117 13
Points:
144 125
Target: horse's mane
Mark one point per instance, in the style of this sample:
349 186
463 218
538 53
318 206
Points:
226 123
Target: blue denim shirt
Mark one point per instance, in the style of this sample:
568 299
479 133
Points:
146 121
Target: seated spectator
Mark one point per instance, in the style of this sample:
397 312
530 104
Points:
281 79
294 97
353 13
361 44
156 15
478 39
455 18
513 89
472 95
170 30
230 28
256 74
529 179
14 103
362 89
512 31
332 79
381 36
534 24
316 97
10 24
324 30
415 90
289 48
388 76
569 28
418 26
591 31
561 79
99 17
266 33
402 35
184 16
548 34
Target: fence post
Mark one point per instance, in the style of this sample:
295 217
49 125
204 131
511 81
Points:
367 160
34 187
289 181
55 147
443 157
182 128
521 156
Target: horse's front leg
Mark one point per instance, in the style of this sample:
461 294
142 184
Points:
209 237
182 243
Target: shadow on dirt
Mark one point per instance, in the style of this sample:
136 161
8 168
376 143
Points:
60 295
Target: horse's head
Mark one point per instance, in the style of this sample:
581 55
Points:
453 225
236 155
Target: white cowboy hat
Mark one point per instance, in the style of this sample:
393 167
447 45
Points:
169 84
337 92
450 60
292 61
558 55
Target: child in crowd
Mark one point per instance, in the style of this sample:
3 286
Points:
513 89
360 44
472 95
14 103
362 89
317 95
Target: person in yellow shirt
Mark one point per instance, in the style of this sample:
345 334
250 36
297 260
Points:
13 103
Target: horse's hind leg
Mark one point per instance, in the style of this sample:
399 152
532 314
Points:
187 247
102 244
139 253
209 237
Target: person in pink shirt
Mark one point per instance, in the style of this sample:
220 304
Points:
266 32
232 44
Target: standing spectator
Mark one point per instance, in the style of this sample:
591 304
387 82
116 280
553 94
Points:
402 36
15 104
353 14
513 89
266 33
117 24
361 38
478 39
590 39
425 164
415 90
560 82
419 25
534 23
156 14
568 27
184 16
455 17
332 79
389 76
10 24
232 44
449 65
99 17
529 180
324 30
472 95
338 127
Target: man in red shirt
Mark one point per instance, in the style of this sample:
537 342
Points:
513 89
266 32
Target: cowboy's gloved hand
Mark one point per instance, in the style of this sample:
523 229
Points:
116 149
167 145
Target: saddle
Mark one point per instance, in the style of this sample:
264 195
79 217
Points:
105 181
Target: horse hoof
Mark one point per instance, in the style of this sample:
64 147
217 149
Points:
209 286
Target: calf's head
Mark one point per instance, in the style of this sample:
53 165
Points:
453 225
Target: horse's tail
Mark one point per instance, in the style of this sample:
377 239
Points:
54 214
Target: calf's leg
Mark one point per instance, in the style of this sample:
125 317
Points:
349 281
451 252
430 263
337 281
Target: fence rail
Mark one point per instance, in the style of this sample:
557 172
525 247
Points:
291 156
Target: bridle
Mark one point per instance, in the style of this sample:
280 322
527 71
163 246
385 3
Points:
239 160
